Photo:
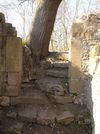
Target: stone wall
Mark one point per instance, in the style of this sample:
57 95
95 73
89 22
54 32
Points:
84 35
85 65
10 61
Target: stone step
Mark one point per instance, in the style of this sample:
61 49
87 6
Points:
58 55
30 96
48 114
55 64
43 115
61 64
53 86
57 73
63 99
65 118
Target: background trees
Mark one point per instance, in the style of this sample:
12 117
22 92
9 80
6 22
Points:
21 12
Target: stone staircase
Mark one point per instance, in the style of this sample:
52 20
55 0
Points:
45 101
34 106
55 80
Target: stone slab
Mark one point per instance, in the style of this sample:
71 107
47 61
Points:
63 99
4 101
57 73
65 118
75 58
14 54
11 91
27 113
46 116
76 85
77 30
14 79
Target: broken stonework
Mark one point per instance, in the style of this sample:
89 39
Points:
65 118
84 39
84 69
10 59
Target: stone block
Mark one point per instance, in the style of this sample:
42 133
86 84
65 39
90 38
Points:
0 39
3 76
0 89
57 73
77 30
65 118
11 114
14 54
27 113
14 79
11 31
4 101
63 99
11 91
46 116
2 18
75 58
76 85
3 80
75 72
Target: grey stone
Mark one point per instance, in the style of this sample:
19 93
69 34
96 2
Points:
63 99
46 116
49 84
27 113
4 101
57 73
65 118
12 114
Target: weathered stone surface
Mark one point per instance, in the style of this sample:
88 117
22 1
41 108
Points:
2 18
11 126
77 30
3 80
46 64
62 99
11 31
14 58
14 79
61 64
46 116
30 96
27 113
58 55
12 114
76 86
11 91
57 73
1 114
4 101
49 84
65 118
75 57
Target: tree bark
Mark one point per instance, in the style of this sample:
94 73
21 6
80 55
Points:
42 27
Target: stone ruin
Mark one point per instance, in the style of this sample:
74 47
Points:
78 69
10 61
85 39
85 65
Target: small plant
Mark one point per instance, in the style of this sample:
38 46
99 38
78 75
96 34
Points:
50 94
65 83
25 42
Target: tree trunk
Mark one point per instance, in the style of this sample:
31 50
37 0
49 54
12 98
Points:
42 27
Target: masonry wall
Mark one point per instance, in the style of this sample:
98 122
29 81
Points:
10 61
85 65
